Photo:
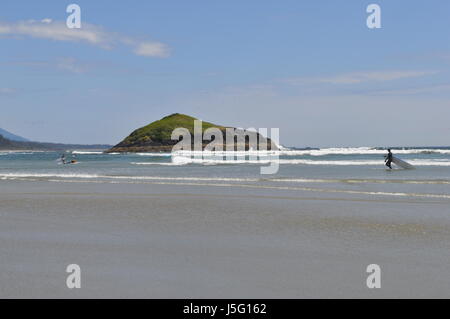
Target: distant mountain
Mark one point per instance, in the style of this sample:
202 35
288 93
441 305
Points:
11 136
7 144
157 135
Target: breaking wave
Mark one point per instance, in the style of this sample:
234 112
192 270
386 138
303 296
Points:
183 160
87 152
318 152
225 179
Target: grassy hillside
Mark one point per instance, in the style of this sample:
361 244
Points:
160 131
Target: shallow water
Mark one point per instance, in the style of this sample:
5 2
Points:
358 171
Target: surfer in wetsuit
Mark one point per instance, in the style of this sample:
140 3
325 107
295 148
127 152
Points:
388 160
63 158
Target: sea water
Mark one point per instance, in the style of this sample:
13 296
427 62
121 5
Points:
358 171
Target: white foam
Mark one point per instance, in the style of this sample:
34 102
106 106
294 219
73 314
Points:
431 162
183 160
39 175
315 152
154 154
87 152
95 176
361 151
159 163
225 179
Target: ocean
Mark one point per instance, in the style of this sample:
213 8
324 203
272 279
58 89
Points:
357 171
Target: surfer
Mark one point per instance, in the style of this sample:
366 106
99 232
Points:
388 159
63 158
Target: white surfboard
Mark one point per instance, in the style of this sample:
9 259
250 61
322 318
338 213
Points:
401 163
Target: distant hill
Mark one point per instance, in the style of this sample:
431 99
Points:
11 136
10 145
157 135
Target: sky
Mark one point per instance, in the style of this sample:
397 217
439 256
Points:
313 69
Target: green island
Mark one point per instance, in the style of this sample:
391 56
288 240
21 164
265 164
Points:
156 136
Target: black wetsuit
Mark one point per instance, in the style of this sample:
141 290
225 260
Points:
389 160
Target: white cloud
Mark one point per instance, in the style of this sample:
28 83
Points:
72 65
89 33
380 76
444 88
58 31
152 49
361 77
64 64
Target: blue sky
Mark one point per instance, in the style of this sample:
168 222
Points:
311 68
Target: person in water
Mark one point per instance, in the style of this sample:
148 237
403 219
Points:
388 160
63 158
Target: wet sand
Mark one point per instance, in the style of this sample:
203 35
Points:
183 241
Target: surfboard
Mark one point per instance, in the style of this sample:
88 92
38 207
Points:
401 163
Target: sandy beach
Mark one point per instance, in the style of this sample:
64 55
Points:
173 240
